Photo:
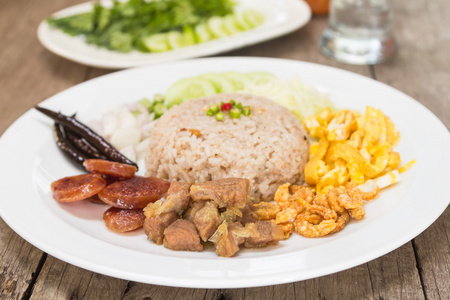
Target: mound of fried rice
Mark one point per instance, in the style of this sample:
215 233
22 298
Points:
269 147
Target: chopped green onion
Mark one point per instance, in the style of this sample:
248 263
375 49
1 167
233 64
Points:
148 104
246 111
158 98
219 116
214 108
158 109
235 113
234 110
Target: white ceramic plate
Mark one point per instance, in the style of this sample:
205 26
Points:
282 17
75 233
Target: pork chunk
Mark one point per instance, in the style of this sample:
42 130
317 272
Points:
193 209
177 199
263 234
228 192
154 226
182 235
228 243
206 220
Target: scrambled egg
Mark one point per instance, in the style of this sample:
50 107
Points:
351 148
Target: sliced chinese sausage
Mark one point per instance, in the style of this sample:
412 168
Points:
76 188
110 168
134 193
123 220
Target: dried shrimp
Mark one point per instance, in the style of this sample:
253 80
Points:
313 214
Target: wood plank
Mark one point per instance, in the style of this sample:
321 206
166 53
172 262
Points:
28 72
375 279
433 255
19 261
59 280
421 67
156 292
393 276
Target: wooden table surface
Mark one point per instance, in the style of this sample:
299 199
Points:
420 269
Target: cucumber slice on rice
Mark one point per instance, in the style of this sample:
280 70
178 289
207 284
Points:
259 77
238 79
220 82
188 88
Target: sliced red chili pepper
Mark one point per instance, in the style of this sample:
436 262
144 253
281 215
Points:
226 106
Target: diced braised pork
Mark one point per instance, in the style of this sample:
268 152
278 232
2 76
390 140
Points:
154 226
206 220
228 240
161 214
177 199
193 209
228 192
263 234
182 235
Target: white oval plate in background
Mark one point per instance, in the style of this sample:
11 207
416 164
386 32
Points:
75 233
281 17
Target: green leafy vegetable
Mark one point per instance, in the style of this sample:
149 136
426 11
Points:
126 25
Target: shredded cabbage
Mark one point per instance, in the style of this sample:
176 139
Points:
303 100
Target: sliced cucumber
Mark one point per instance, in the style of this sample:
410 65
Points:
188 88
260 77
239 80
230 24
202 33
175 39
253 18
220 82
189 36
217 27
242 22
156 43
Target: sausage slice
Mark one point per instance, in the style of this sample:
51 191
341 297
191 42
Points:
76 188
123 220
134 193
110 168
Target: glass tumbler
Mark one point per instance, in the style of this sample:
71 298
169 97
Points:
359 31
